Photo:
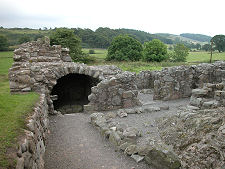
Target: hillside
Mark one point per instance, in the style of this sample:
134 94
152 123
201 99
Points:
14 34
102 37
187 38
197 37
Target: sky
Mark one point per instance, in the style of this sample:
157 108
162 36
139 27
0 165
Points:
153 16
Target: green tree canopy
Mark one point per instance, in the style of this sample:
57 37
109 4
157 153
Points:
180 53
219 42
154 50
3 43
206 47
66 38
124 48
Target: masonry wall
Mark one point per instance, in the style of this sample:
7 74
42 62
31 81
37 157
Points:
32 146
178 82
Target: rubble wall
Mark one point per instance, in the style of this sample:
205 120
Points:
31 148
178 82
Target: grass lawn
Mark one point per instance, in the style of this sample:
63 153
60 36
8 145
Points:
13 112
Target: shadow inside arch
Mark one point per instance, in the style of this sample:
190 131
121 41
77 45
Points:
71 92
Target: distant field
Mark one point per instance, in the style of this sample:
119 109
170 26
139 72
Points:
193 58
13 112
204 56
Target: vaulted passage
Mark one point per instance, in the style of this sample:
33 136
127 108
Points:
72 91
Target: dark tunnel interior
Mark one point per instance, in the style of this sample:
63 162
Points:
72 91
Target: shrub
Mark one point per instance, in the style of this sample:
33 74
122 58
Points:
180 53
91 51
154 50
124 48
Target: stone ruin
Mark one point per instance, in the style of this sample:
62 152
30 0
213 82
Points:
69 87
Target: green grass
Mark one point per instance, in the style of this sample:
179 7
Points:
13 112
201 56
193 58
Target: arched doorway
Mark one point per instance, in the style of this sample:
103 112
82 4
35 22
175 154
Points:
72 92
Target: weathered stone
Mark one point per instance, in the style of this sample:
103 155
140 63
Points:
199 92
114 138
124 145
20 163
128 94
150 109
137 158
130 132
160 157
121 113
131 149
143 149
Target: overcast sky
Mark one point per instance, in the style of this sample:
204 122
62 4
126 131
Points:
153 16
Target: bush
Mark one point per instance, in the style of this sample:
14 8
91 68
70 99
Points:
180 53
154 50
4 46
83 58
124 48
91 51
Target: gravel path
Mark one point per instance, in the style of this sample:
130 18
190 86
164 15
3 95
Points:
74 143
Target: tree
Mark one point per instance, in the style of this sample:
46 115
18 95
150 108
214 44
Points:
67 39
219 42
180 53
206 47
154 50
24 39
124 48
198 46
4 46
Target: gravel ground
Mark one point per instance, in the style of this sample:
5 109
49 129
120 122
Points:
145 122
74 143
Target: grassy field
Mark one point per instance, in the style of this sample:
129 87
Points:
193 58
204 56
13 112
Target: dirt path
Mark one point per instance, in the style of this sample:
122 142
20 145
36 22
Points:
74 144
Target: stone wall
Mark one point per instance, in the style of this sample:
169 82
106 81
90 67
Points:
178 82
32 147
145 79
117 92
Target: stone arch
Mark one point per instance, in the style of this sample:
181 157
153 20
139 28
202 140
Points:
71 85
71 92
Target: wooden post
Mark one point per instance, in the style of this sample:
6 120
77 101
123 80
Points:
211 52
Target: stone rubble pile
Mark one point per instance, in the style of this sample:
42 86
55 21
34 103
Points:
124 138
210 96
197 136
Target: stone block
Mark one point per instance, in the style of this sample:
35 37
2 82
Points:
127 94
160 157
114 138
